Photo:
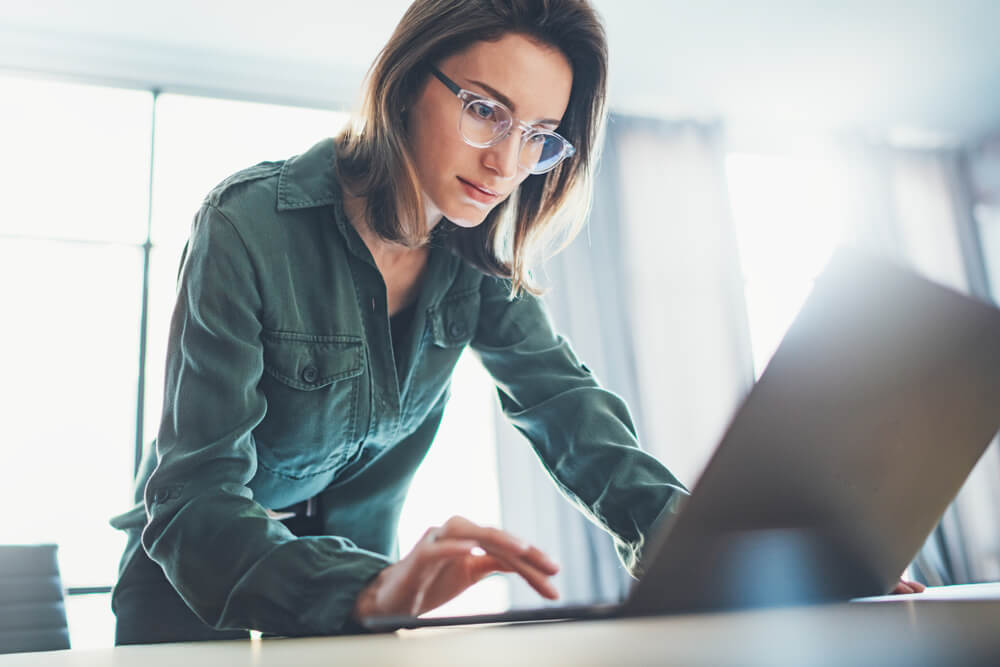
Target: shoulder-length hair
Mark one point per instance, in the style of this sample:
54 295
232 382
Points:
374 159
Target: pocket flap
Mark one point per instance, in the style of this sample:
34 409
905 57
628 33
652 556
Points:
308 362
454 320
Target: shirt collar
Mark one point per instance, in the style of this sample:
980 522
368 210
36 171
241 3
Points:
310 179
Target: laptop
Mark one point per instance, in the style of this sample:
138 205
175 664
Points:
881 397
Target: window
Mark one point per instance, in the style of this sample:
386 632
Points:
788 212
74 180
97 182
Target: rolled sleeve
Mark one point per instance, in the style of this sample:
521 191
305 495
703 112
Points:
232 564
582 433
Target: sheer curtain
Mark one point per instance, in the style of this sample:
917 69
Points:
917 205
651 298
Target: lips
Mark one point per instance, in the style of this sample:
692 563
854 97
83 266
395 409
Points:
479 193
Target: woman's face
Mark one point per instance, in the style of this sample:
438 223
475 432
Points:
462 182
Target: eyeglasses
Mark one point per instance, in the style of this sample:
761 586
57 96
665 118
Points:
485 122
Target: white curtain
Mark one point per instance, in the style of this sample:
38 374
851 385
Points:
651 298
686 292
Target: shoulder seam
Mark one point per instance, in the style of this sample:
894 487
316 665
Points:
256 172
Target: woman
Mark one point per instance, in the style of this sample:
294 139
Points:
322 304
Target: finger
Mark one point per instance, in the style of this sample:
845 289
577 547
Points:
446 548
541 560
450 547
495 540
429 574
902 589
499 545
535 578
458 526
915 585
482 566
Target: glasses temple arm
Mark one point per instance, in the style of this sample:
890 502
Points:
452 86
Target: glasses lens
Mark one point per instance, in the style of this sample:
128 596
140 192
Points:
541 152
484 121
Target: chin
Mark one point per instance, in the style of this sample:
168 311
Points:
465 222
467 216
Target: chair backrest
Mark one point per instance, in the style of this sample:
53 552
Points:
32 608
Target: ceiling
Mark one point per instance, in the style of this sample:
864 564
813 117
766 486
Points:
921 71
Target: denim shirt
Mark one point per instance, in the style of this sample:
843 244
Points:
281 385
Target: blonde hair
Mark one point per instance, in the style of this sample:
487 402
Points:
374 158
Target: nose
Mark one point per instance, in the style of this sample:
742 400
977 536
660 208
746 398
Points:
502 158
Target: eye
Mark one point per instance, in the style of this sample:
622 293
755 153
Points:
482 111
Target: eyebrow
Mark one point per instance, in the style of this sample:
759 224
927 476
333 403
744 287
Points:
509 104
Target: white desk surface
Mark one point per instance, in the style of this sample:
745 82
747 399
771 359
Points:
989 591
946 627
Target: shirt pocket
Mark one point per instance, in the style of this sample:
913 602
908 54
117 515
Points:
453 321
312 384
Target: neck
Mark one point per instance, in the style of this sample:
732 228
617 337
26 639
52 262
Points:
356 209
385 253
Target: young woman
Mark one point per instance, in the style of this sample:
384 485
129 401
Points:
322 304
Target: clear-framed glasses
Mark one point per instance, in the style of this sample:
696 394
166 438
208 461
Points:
485 122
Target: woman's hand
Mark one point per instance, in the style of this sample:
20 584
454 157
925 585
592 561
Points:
904 587
447 560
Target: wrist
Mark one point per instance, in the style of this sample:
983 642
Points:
364 604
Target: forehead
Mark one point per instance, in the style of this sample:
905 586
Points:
536 78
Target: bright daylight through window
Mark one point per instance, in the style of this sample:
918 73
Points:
788 212
78 160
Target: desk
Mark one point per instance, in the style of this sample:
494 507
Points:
928 631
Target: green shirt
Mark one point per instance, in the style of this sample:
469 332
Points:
281 384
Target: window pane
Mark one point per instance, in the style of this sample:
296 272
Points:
91 621
789 214
199 142
70 360
928 236
75 160
459 476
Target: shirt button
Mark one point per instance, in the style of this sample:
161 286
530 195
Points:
456 329
309 374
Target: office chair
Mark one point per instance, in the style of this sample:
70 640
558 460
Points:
32 608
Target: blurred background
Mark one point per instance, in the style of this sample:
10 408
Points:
747 140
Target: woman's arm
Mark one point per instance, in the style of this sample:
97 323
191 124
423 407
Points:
582 433
231 563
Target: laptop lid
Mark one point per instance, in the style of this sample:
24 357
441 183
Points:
883 394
